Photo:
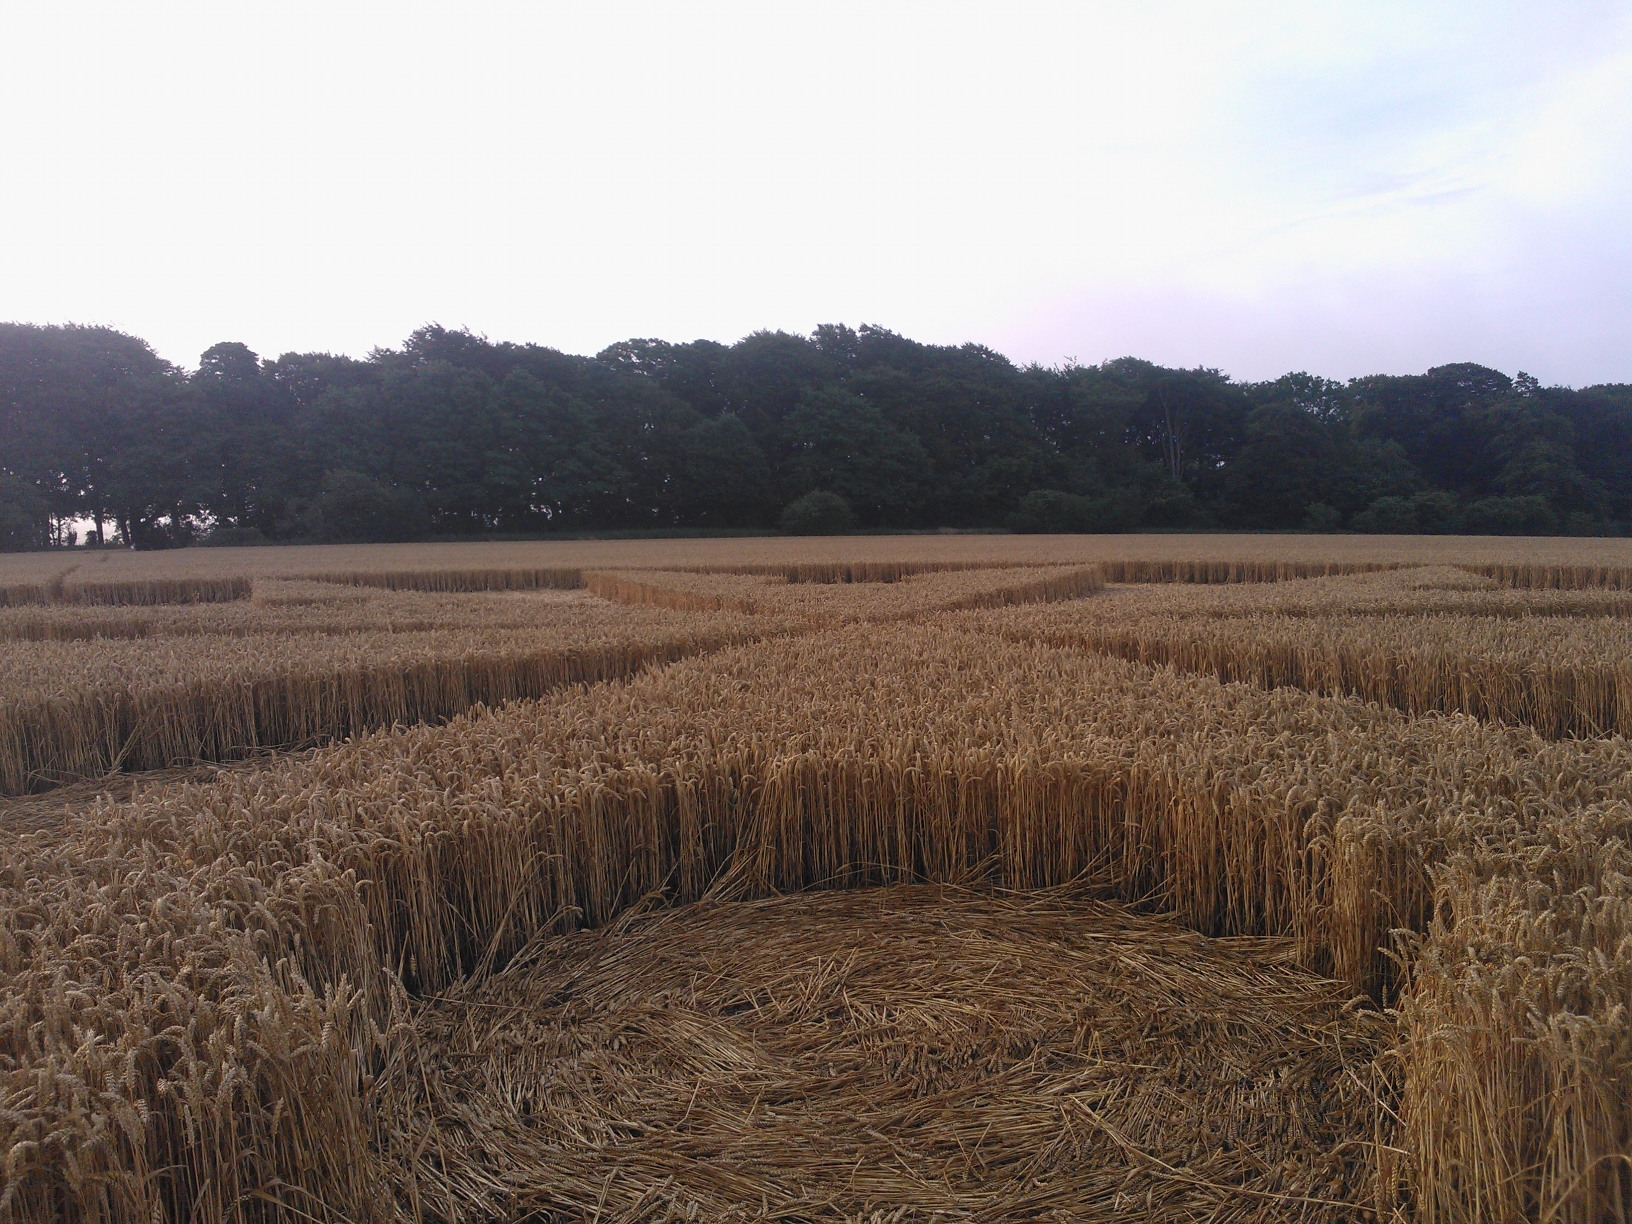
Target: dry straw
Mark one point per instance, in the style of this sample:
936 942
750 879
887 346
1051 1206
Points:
848 1055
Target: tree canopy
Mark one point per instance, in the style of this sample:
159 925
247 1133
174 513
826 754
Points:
452 434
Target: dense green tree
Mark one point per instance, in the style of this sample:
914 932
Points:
1434 419
573 478
1371 468
457 435
968 407
1388 516
1189 421
1323 518
1530 515
840 442
1053 511
1285 466
1602 420
1531 452
722 477
244 449
1438 512
767 373
819 512
1327 401
25 519
306 377
695 373
87 418
352 506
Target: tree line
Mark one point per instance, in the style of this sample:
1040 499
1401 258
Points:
453 435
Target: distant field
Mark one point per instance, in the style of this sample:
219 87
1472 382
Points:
16 568
911 878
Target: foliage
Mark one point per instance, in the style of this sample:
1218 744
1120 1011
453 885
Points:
840 442
233 537
819 512
24 516
653 435
352 506
1322 519
1051 511
1528 515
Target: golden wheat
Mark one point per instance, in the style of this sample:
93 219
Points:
845 571
127 593
1210 571
293 607
1407 590
846 759
259 997
1420 640
1515 1054
23 594
817 601
73 709
557 578
1562 676
119 565
1558 577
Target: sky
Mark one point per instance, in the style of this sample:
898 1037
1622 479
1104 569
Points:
1344 188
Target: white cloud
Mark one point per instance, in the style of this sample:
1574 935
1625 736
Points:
1341 186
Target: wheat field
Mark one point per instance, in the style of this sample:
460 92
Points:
1420 640
39 569
930 878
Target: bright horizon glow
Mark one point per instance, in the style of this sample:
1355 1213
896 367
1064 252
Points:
1347 188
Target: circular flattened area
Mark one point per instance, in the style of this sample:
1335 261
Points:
909 1053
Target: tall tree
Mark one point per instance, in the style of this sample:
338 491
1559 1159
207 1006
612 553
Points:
840 443
464 435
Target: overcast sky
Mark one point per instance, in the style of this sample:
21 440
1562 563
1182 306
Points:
1346 188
